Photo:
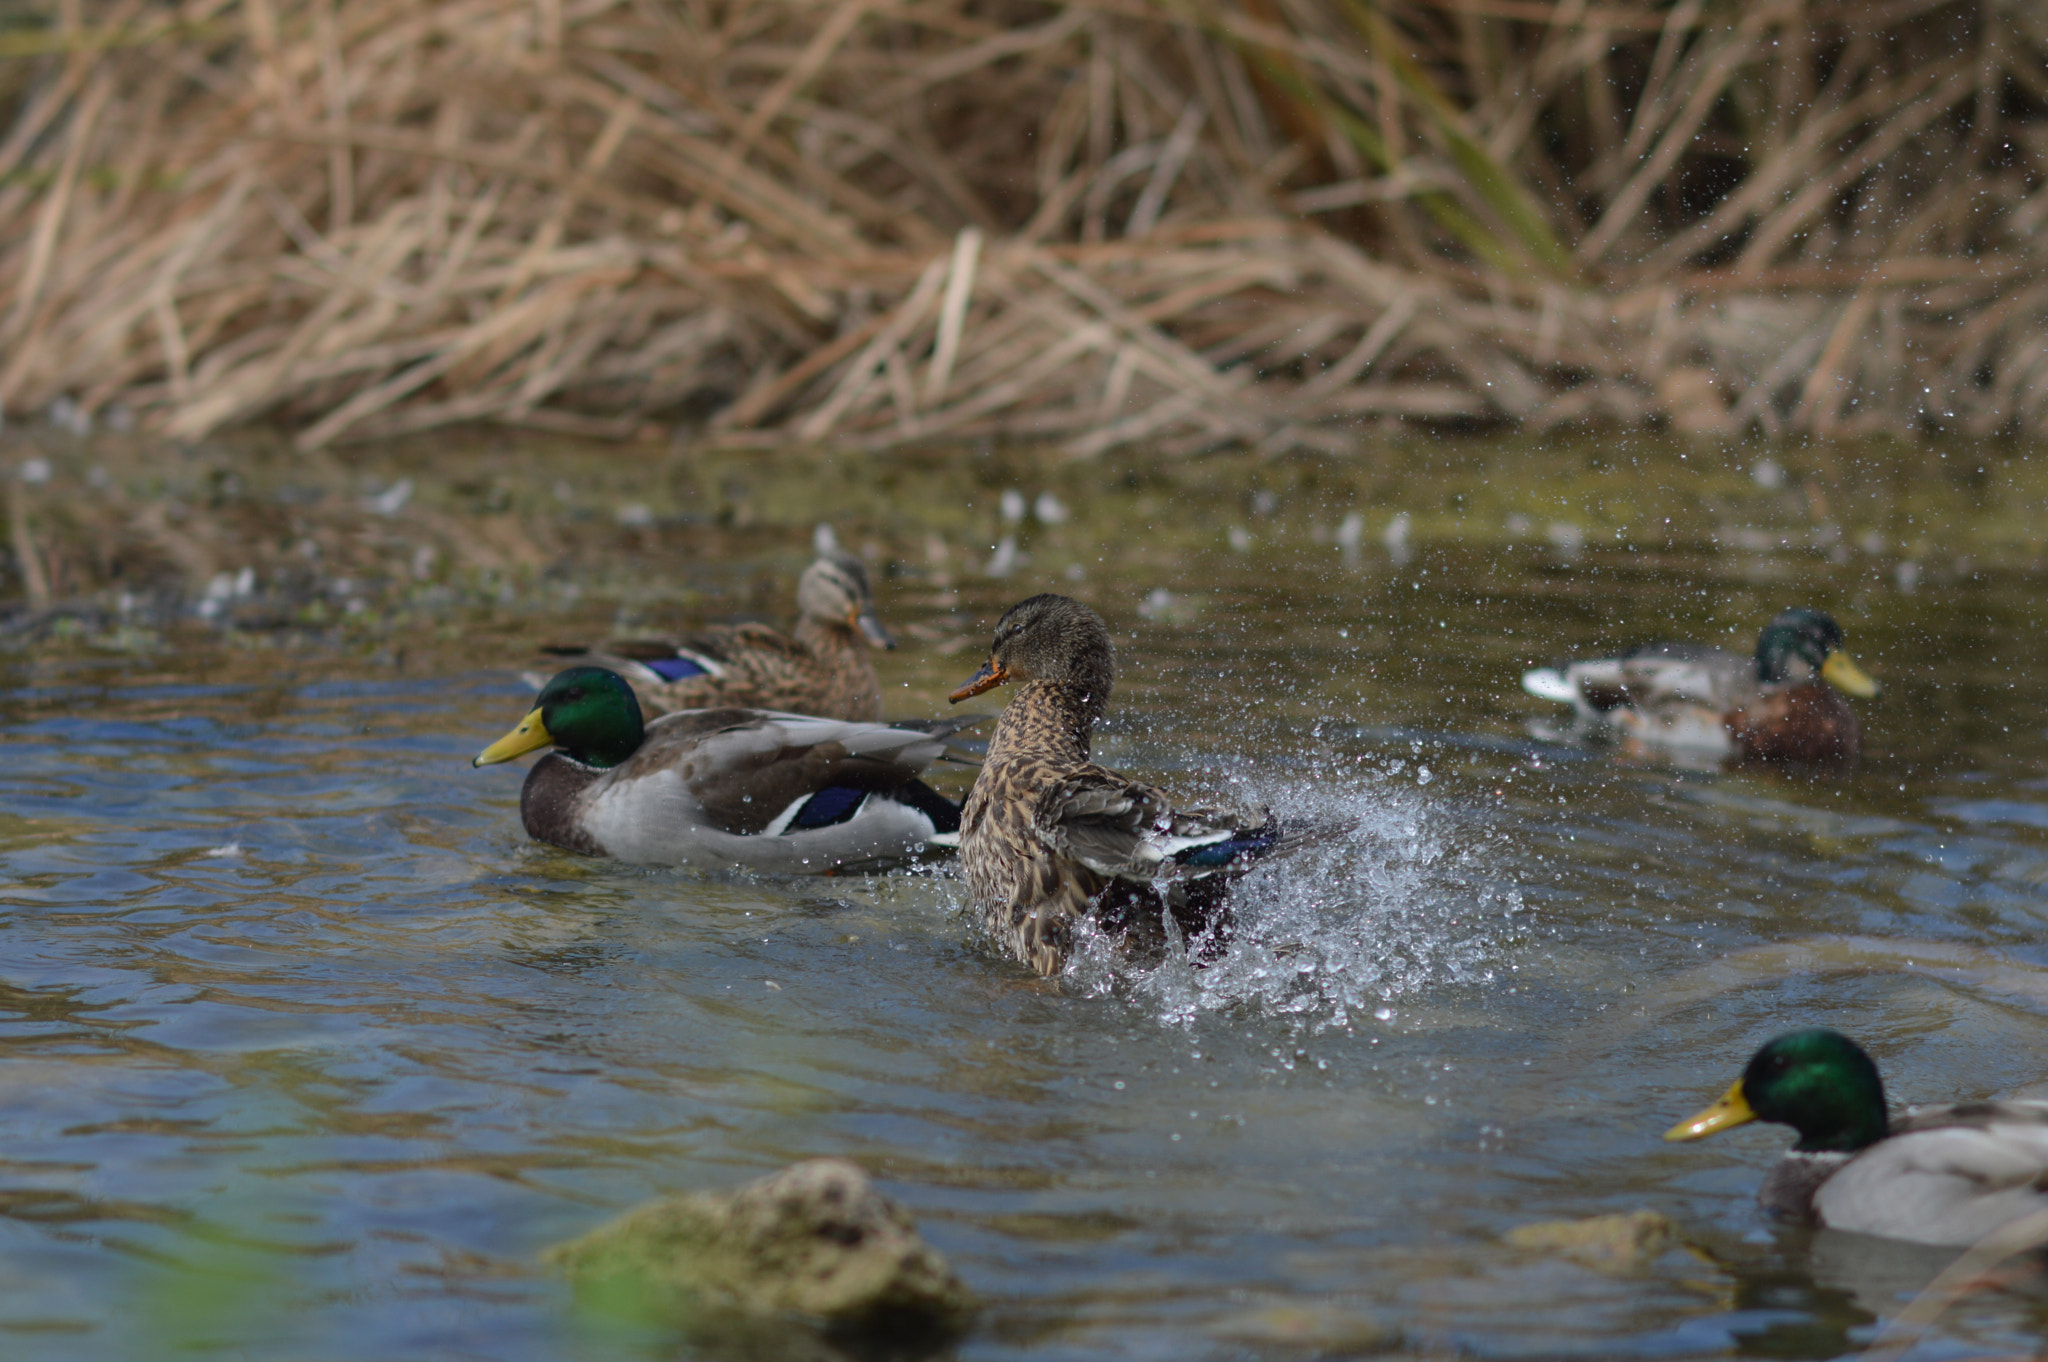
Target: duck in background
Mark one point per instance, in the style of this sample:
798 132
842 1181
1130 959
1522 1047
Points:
728 787
820 667
1784 704
1933 1175
1048 837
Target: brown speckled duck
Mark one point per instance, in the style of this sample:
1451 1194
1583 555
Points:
1784 704
1047 836
723 787
820 667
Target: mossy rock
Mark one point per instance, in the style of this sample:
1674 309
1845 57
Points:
1305 1327
1608 1242
815 1241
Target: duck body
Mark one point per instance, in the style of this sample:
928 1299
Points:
1048 837
1785 704
731 787
821 666
1945 1175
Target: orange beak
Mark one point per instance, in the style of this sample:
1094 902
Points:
988 678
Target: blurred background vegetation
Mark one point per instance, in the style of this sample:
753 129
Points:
1263 224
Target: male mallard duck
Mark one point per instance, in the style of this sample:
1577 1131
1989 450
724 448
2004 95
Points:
820 667
1936 1175
1785 705
722 787
1046 834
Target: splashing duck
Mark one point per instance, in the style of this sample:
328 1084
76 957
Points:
1047 836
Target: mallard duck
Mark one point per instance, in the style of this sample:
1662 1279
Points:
820 667
1047 836
1784 705
1935 1175
723 787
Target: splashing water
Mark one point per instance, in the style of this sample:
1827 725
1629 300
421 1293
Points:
1404 897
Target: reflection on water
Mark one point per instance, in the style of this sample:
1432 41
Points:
308 1052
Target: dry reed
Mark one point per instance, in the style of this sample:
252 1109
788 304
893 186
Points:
1191 223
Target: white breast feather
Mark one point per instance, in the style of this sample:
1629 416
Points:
641 820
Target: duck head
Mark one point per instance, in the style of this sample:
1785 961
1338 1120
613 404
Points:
1048 638
587 712
1801 643
834 590
1817 1081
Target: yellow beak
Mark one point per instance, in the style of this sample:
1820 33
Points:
1731 1111
1845 676
530 734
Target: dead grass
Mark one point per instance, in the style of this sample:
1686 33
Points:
1190 223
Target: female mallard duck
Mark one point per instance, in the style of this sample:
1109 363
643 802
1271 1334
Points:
1935 1175
1047 835
820 667
722 787
1785 705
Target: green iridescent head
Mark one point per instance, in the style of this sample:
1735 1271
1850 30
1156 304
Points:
1817 1081
1800 644
588 713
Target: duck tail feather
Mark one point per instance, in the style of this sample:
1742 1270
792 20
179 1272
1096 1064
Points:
1550 683
944 813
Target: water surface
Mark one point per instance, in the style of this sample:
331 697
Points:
308 1052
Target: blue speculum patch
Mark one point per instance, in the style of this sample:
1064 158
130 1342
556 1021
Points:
1226 851
676 668
827 807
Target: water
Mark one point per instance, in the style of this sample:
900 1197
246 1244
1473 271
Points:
308 1052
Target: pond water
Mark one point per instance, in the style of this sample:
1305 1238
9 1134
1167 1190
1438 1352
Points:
308 1052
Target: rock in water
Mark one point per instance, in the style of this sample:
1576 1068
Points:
815 1240
1612 1243
1305 1326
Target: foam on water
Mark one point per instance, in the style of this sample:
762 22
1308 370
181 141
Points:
1405 899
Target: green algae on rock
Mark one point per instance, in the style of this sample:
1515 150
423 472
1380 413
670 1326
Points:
1611 1243
815 1241
1286 1327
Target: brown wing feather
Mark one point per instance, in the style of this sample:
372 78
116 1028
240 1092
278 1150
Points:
744 783
827 673
1099 818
